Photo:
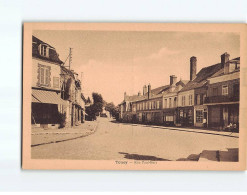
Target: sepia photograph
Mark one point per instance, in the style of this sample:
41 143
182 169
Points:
123 96
132 96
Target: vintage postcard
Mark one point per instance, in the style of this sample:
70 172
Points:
134 96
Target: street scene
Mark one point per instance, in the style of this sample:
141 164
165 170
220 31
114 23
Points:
142 96
121 141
